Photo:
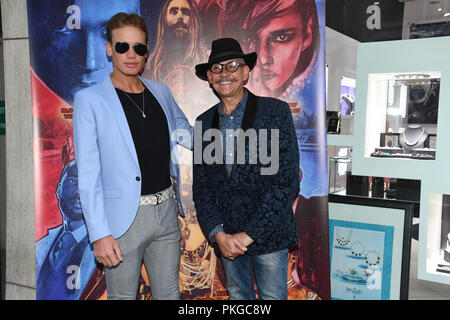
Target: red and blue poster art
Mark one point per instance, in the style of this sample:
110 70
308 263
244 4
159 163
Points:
67 52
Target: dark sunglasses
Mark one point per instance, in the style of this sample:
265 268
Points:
139 48
231 67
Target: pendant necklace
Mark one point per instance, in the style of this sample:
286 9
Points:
372 258
417 140
143 103
343 241
358 249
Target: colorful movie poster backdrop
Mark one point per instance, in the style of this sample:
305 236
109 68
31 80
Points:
67 51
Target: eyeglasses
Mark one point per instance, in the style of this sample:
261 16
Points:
231 66
122 47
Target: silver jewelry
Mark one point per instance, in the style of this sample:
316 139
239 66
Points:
357 249
143 103
372 258
343 241
417 140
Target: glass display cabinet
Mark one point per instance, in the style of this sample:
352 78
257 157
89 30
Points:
404 115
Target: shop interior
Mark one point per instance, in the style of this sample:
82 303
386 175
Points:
385 110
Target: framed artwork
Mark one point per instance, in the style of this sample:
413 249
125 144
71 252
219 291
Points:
389 140
431 141
370 243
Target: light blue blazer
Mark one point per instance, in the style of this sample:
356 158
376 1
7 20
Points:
109 177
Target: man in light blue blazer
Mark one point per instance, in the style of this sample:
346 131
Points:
126 131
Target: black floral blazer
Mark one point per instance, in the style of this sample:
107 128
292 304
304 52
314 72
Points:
246 200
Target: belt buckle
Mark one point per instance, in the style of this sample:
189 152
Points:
158 198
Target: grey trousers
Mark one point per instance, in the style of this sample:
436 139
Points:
154 238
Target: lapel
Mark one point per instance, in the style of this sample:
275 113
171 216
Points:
247 123
113 102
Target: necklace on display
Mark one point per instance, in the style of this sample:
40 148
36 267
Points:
372 258
342 240
143 103
415 142
358 249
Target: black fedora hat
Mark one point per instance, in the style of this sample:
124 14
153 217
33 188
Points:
221 50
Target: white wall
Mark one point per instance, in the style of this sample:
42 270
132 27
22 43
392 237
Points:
341 62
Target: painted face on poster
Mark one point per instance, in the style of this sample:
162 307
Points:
68 42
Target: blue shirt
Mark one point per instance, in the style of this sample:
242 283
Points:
228 124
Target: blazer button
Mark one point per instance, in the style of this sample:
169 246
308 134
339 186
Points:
138 179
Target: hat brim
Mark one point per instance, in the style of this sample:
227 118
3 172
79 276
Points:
201 69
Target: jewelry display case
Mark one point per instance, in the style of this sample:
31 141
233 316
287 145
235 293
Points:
339 164
437 264
339 168
410 102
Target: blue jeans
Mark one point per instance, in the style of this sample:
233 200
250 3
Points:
270 273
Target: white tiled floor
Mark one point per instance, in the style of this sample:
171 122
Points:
421 289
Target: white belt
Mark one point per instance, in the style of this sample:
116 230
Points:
157 198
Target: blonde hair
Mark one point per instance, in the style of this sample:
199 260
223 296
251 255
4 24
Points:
123 19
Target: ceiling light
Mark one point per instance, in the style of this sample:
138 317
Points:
412 76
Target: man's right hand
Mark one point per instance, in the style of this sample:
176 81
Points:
230 247
107 251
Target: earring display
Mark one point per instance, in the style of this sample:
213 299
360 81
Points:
430 143
390 140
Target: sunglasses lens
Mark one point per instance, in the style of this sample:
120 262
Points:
122 47
140 49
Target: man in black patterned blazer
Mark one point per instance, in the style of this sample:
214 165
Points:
246 164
